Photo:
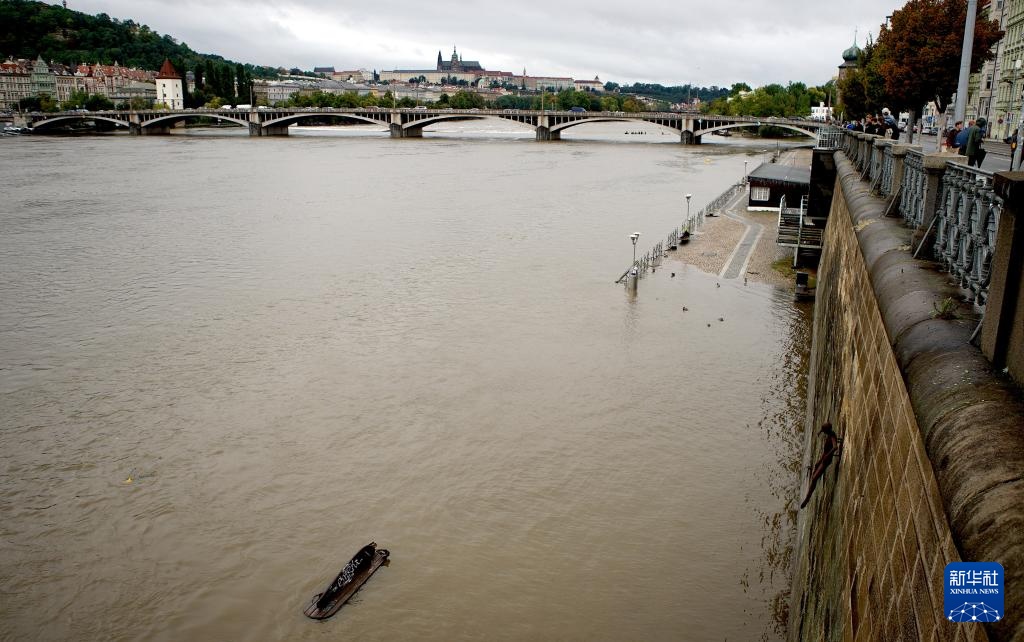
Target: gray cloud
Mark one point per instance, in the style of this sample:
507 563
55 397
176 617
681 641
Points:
705 43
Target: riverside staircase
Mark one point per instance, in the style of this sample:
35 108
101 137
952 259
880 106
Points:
799 231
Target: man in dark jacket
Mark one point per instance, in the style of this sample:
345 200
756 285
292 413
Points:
952 135
975 139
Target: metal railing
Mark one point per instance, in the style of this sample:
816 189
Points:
888 170
653 257
829 138
721 201
964 217
912 189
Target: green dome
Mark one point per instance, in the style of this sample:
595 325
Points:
851 54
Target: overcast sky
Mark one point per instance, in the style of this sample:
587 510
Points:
713 42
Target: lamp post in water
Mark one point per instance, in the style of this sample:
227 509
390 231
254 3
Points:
688 197
633 237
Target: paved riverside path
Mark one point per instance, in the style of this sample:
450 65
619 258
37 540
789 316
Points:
736 264
740 244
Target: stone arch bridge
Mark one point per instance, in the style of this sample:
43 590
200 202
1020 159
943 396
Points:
410 123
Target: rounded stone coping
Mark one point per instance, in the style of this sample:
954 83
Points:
971 419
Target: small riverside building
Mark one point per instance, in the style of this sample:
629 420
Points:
771 181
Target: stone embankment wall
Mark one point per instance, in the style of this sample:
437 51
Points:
933 444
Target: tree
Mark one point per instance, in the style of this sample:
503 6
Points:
98 103
76 100
466 100
918 53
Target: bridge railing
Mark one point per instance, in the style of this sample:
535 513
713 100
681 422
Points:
829 138
953 209
704 118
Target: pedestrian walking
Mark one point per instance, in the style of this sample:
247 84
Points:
975 138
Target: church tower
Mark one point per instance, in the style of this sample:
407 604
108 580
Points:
168 87
440 61
850 59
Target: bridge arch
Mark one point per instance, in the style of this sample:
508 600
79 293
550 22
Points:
165 121
48 122
805 132
292 119
563 126
456 117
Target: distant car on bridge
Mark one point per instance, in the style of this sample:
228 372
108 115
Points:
577 109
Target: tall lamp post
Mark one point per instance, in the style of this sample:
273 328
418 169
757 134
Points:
745 171
633 237
688 197
960 107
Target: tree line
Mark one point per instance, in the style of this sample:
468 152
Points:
29 28
792 101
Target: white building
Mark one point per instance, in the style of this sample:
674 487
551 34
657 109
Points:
169 87
821 112
589 85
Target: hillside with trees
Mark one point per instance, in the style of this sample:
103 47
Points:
29 29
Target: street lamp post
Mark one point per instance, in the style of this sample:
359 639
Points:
633 237
745 171
688 197
965 61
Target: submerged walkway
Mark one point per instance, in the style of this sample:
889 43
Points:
741 244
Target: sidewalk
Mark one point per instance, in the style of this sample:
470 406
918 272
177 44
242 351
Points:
997 160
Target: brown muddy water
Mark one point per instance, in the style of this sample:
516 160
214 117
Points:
294 346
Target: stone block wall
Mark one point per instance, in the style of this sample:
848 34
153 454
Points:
875 537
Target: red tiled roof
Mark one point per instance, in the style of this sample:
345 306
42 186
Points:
167 71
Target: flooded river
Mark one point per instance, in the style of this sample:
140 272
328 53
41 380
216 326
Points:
228 363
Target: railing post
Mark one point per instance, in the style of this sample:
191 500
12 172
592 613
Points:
899 158
1002 332
934 168
878 146
864 154
858 153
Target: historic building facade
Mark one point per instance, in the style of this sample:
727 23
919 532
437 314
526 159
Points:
24 78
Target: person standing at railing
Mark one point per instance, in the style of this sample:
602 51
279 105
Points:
975 137
889 124
961 139
953 134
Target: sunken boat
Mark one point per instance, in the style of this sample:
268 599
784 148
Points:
359 569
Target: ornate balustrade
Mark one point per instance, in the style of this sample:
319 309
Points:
967 218
936 194
912 189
